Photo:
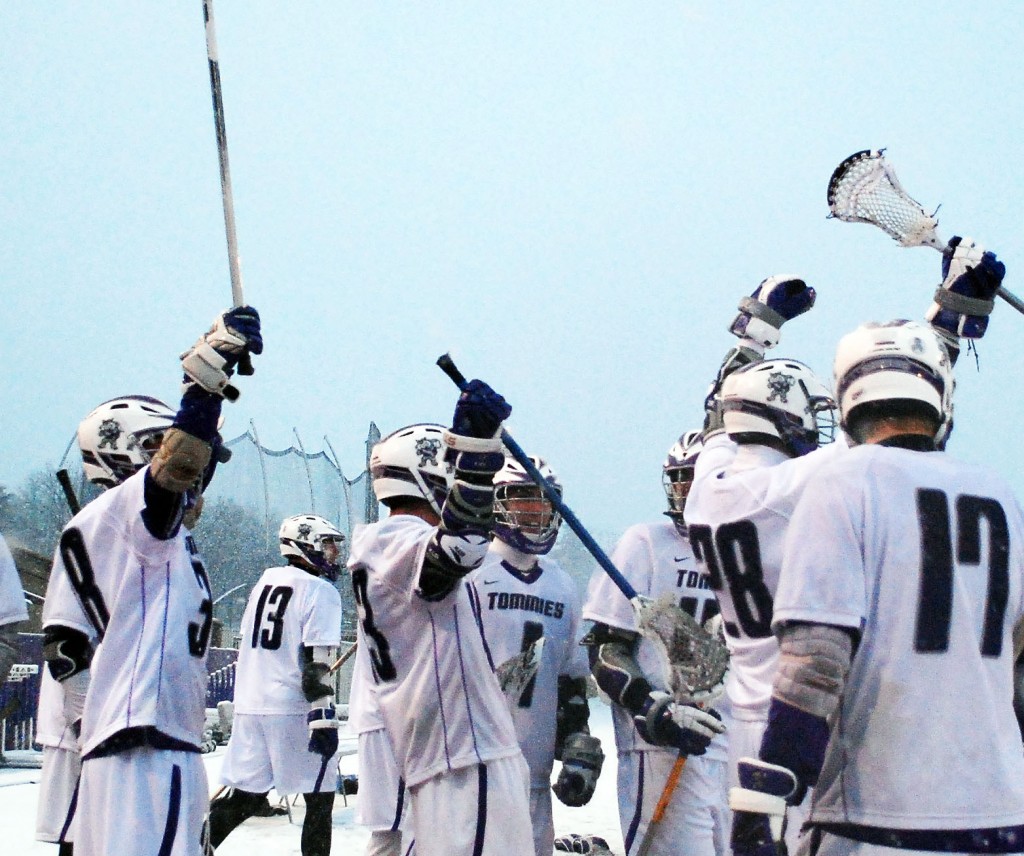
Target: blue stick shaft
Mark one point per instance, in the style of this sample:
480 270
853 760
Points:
450 369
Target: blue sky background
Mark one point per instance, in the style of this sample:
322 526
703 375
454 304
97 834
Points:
569 196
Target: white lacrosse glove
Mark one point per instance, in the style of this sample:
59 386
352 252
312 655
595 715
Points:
666 722
965 297
211 361
776 300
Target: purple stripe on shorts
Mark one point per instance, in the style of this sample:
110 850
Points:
635 821
71 812
399 804
481 809
173 810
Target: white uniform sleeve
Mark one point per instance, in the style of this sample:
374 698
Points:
321 623
12 600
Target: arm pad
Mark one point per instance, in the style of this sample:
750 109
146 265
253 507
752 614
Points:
315 673
614 666
814 660
66 651
573 713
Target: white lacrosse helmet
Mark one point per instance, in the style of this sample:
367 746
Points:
897 360
677 473
411 462
314 541
780 399
530 529
118 438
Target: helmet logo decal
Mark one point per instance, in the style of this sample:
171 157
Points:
304 530
110 432
917 346
780 384
428 448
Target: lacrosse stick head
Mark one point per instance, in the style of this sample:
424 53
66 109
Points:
695 660
864 189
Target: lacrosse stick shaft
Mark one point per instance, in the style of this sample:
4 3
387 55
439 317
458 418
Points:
662 806
227 198
516 451
343 659
69 491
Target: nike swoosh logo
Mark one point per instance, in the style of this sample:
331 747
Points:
490 582
679 559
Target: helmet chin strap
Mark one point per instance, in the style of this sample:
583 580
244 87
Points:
516 558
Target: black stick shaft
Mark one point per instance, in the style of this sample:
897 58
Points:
69 491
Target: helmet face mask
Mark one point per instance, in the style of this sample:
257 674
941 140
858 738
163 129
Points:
410 462
314 542
524 517
896 361
119 437
779 402
677 475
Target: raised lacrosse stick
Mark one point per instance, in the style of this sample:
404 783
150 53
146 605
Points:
864 189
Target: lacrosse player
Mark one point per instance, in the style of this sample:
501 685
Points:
12 610
128 608
651 730
442 705
524 596
285 729
383 803
903 573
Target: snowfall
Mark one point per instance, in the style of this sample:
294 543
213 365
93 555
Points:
279 836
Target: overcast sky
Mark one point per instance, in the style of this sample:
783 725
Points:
569 196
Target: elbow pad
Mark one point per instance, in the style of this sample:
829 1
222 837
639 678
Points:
614 666
814 660
66 651
447 560
573 714
315 673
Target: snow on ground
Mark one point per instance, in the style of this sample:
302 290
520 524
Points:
275 836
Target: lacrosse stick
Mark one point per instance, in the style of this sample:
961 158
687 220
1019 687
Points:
516 672
342 660
69 491
234 265
864 189
694 658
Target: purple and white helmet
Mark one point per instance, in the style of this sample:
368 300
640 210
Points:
119 436
780 401
314 541
523 517
677 473
411 462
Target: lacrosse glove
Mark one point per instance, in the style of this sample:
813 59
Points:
685 727
574 843
776 300
581 765
964 299
211 361
323 730
759 807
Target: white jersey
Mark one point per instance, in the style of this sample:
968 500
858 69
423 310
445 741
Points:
12 599
925 556
441 702
738 512
147 603
656 560
363 708
288 609
517 610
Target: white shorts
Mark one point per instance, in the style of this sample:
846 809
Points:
483 810
142 801
543 823
697 819
745 742
272 751
382 799
58 795
837 845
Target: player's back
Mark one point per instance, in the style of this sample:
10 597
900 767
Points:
441 703
737 513
925 737
148 599
516 611
288 609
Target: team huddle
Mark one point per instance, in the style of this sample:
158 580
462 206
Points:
868 588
